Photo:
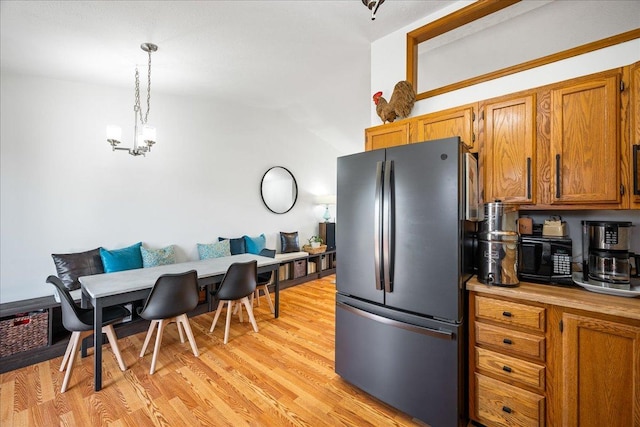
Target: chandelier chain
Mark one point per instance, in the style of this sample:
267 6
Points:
136 106
146 116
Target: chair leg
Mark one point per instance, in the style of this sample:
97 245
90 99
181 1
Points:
156 349
184 321
266 293
239 309
180 333
75 337
113 341
67 352
256 296
215 318
152 325
226 328
246 303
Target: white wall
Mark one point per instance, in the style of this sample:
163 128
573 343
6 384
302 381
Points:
63 189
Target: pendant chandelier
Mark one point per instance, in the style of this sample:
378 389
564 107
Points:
144 136
373 6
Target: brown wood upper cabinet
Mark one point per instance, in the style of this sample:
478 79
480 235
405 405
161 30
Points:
388 135
457 121
585 144
634 149
509 150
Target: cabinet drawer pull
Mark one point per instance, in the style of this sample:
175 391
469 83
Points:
506 314
507 341
506 369
506 409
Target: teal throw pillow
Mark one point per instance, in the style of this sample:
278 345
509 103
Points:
214 250
255 244
121 259
156 257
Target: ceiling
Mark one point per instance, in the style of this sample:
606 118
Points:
251 51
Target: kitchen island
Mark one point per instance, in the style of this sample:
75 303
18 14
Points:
553 355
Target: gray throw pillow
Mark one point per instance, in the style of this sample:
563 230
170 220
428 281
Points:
289 242
72 266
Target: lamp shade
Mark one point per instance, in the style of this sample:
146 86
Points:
148 133
114 132
329 199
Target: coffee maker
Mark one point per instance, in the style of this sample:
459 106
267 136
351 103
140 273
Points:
605 253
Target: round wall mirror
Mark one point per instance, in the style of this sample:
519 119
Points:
279 190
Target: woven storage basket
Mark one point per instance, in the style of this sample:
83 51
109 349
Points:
313 251
24 332
299 268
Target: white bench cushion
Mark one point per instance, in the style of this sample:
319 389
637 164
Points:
291 255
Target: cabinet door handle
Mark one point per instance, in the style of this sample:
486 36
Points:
506 314
506 368
507 341
557 176
529 178
636 172
506 409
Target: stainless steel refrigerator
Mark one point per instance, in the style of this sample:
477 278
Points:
405 254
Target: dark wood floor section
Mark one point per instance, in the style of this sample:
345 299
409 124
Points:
281 376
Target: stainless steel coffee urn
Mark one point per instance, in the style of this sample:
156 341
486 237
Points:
605 253
498 245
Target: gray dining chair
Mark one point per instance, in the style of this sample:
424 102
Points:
79 321
238 284
171 298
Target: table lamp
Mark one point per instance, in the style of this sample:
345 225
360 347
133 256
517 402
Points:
326 200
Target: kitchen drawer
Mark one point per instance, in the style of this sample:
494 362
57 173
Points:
507 367
510 341
501 404
510 313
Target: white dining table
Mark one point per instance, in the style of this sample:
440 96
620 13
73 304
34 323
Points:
104 290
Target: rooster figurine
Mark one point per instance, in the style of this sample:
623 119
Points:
400 104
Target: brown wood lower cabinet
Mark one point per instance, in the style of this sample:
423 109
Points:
600 381
556 356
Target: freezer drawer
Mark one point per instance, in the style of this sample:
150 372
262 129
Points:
415 369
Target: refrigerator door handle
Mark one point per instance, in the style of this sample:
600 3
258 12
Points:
412 328
376 224
387 226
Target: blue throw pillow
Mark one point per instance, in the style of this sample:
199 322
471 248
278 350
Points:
156 257
121 259
255 244
214 250
237 245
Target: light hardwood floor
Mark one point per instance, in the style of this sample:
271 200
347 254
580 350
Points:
283 375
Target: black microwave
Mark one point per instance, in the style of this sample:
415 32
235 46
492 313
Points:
545 259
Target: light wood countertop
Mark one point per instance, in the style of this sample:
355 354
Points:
564 296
